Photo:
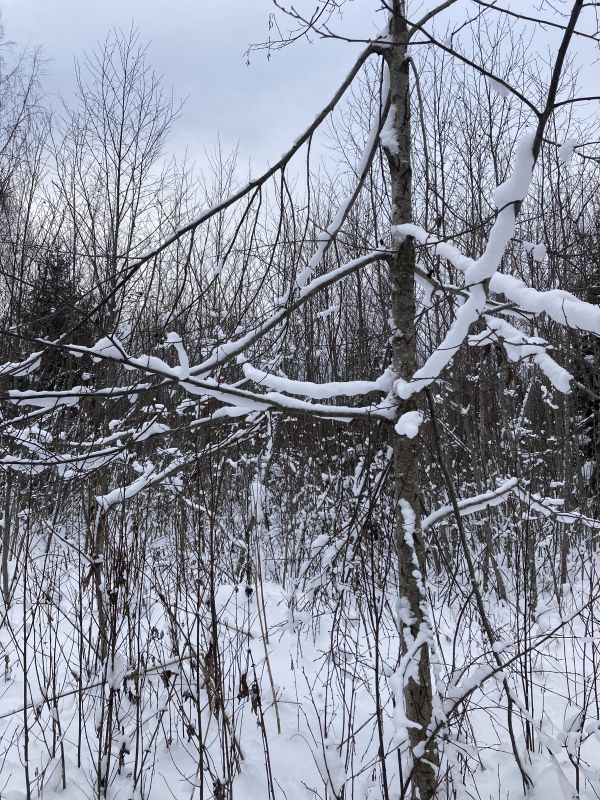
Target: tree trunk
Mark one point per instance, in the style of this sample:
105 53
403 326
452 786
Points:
411 556
6 539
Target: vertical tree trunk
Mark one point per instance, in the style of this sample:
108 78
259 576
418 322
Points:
99 542
411 556
6 539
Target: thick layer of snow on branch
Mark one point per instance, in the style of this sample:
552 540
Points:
146 479
388 135
466 315
108 347
21 368
111 348
516 187
561 306
252 401
282 402
471 505
48 400
151 429
174 340
497 87
327 312
223 392
409 423
441 249
319 391
537 251
518 346
480 271
566 150
505 196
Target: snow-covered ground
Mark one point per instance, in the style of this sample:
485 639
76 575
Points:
298 697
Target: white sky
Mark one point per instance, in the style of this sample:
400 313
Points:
198 47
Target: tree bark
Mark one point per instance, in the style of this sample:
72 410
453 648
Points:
410 550
6 539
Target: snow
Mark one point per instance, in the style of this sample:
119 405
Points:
307 655
497 87
466 315
234 347
518 346
48 400
566 150
442 249
21 368
327 312
515 188
258 645
537 251
388 134
121 494
472 505
336 274
151 429
108 347
174 340
319 391
545 506
561 306
409 423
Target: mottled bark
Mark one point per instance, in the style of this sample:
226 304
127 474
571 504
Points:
411 557
6 538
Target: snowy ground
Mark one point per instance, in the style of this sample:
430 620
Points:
288 708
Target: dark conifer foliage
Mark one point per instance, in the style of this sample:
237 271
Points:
54 305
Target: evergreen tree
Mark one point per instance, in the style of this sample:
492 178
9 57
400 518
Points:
55 304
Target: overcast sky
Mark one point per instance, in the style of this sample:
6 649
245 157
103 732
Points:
198 47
